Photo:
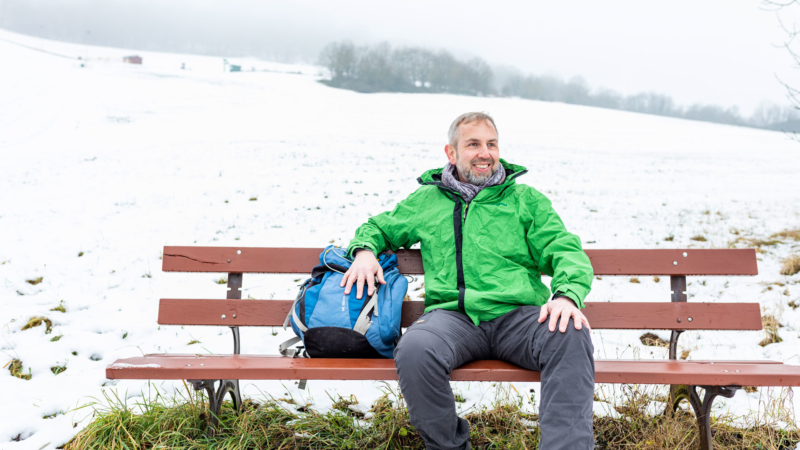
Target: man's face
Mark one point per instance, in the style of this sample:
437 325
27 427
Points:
478 156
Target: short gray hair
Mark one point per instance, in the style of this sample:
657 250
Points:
453 132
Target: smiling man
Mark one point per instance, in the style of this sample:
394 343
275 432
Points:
485 241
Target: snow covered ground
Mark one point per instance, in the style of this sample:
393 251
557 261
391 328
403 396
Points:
103 165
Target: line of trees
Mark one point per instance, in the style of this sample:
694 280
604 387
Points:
410 69
381 68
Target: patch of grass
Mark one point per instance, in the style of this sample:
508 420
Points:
684 353
56 338
36 321
34 281
15 368
193 341
793 304
652 340
147 275
222 280
459 398
750 389
698 238
80 254
771 326
791 265
344 404
60 308
252 199
635 280
788 234
58 369
669 238
181 421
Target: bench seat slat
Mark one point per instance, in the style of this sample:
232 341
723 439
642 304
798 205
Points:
601 315
604 262
258 367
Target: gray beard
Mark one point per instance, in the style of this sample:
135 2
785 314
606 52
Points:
465 169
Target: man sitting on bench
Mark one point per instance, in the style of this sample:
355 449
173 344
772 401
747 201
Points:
485 241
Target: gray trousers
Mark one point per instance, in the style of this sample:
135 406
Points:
441 341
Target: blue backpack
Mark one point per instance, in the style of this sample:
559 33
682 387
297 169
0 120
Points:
334 325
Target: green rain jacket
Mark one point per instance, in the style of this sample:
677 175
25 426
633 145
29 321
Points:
484 258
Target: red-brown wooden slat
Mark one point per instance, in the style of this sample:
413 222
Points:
252 367
604 262
601 315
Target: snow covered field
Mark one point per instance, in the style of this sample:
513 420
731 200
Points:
103 165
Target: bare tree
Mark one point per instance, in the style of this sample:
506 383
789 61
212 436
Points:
792 31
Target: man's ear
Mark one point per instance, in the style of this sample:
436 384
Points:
450 151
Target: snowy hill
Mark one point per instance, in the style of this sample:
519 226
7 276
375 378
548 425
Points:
103 165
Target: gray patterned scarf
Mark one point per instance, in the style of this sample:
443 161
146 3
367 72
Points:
468 191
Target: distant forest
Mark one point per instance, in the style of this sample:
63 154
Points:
381 68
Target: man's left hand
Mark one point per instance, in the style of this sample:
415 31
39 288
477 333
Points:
563 308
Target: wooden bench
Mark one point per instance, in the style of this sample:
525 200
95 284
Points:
716 378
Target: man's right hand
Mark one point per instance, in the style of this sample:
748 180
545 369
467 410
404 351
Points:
365 268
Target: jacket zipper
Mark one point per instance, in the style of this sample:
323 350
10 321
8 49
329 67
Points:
458 217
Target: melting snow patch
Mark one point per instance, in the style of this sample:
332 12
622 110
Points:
134 366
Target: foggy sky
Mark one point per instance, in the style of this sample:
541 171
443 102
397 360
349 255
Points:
711 51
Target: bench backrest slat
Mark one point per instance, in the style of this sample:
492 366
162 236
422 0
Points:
601 315
604 262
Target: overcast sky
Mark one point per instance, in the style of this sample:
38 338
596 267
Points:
711 51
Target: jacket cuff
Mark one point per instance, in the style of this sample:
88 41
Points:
354 247
572 292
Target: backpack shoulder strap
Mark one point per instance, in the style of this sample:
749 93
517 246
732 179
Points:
363 322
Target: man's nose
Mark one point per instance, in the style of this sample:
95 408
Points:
484 151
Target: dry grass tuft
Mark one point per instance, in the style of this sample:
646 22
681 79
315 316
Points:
750 389
58 369
793 304
684 353
698 238
669 238
36 321
344 404
15 367
772 240
791 265
771 326
652 340
222 280
788 234
34 281
60 308
635 280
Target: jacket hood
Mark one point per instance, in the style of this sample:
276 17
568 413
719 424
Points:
434 176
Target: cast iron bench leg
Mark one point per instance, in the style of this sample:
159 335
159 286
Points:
216 397
703 409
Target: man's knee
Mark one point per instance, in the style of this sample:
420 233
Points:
420 349
572 343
